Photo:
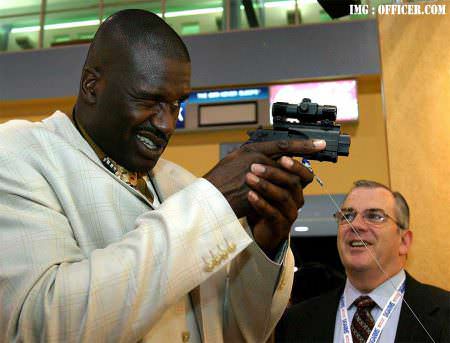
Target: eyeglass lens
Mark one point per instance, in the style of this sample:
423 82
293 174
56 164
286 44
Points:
374 216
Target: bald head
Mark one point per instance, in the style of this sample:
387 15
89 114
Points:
134 36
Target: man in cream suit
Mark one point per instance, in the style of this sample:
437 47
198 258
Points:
100 241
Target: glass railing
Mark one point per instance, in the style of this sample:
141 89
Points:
31 24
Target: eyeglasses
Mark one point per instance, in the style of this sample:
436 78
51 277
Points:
371 216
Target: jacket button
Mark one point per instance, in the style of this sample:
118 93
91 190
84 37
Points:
231 247
185 335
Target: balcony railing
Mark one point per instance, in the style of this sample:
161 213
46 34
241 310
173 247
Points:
35 24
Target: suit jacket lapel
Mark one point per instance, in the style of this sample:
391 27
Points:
313 320
409 330
327 315
60 123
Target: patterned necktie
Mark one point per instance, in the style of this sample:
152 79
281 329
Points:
362 323
134 179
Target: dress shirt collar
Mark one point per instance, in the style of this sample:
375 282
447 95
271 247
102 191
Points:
380 295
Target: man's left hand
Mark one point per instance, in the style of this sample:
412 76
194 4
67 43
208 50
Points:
276 195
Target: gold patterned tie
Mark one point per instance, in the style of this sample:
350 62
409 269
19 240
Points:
362 323
135 180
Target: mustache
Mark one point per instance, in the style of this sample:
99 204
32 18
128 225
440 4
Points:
153 130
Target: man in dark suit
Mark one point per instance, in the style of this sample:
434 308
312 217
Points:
373 241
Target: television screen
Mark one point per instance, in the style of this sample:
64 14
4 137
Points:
342 94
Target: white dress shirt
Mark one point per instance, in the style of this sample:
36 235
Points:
381 296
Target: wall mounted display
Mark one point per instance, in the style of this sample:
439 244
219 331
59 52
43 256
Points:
342 94
228 95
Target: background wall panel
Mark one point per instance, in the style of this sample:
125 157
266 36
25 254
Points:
415 57
258 56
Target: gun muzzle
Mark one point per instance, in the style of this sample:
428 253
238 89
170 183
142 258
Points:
343 145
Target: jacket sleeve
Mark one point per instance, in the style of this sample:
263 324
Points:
50 291
259 291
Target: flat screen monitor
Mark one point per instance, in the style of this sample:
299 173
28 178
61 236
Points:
342 94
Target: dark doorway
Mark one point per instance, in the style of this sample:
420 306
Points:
319 267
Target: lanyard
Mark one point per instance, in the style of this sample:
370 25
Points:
381 321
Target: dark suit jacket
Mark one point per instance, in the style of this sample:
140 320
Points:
314 319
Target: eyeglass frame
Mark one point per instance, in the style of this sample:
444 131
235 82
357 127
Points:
345 220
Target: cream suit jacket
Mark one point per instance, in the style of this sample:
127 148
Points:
84 257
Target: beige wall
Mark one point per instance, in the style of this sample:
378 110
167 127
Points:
34 109
415 54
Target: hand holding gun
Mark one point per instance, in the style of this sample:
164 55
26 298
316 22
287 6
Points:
306 121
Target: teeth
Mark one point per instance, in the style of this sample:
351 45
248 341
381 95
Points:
357 244
147 142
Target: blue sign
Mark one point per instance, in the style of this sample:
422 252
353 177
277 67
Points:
228 95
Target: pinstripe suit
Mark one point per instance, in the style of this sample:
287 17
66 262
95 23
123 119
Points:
84 258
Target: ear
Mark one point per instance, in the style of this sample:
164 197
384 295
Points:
406 241
89 82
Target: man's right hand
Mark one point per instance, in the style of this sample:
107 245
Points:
229 175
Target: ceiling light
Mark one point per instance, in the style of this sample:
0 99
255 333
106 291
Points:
57 26
192 12
289 4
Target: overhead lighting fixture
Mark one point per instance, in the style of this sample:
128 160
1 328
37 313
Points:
287 4
57 26
274 4
192 12
301 228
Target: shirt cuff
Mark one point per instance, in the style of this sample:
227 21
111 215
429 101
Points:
281 253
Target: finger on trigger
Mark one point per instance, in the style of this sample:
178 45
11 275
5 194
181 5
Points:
279 148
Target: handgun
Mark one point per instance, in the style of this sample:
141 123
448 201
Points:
306 120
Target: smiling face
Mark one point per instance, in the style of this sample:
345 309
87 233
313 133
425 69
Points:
136 109
385 242
135 76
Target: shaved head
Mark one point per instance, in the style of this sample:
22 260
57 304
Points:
134 35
